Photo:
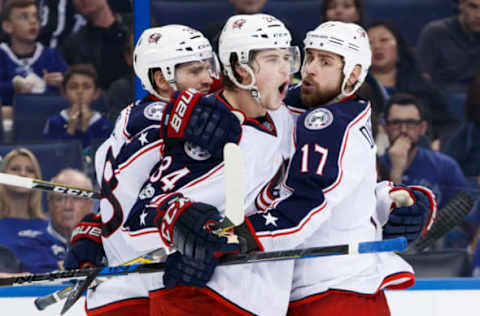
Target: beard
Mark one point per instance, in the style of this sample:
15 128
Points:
318 97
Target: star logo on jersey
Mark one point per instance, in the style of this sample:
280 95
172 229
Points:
270 219
154 111
238 24
196 152
318 119
154 38
142 218
143 139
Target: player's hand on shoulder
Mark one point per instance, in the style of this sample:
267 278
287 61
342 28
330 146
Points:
86 248
193 117
413 213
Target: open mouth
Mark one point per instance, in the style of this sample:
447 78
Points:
283 88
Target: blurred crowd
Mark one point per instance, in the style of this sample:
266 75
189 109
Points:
66 68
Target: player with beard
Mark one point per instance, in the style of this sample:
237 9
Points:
328 196
332 175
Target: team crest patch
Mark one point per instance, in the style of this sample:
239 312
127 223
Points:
154 111
238 23
318 119
196 152
147 192
154 38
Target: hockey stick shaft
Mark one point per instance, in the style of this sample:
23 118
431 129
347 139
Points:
396 244
44 301
24 182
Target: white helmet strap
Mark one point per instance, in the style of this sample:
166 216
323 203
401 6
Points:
251 87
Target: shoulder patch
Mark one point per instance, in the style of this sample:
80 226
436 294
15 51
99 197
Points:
196 152
154 111
318 119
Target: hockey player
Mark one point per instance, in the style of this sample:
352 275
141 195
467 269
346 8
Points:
329 197
258 59
165 59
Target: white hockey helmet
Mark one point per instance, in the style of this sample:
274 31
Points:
348 40
243 34
168 46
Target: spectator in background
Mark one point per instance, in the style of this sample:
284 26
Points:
449 48
79 121
410 164
100 42
464 147
464 144
122 91
212 31
58 19
348 11
26 66
22 221
394 69
66 211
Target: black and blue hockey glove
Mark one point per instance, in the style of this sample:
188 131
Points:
86 248
183 270
191 116
188 226
412 221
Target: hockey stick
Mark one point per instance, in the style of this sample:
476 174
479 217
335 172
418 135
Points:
449 216
396 244
43 302
234 183
234 214
29 183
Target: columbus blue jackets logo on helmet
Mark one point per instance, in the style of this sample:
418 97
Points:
318 119
238 24
196 152
154 38
154 111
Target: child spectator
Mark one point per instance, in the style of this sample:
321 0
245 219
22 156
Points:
80 88
26 66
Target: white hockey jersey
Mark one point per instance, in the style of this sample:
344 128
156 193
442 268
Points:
200 176
122 165
329 198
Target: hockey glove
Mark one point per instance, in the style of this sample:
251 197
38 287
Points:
189 226
183 270
192 117
412 221
86 248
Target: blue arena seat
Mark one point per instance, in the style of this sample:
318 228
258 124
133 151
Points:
31 113
33 110
52 156
410 15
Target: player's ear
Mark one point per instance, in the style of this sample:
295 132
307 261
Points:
160 81
354 75
242 74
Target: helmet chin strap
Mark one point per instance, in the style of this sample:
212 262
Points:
251 87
